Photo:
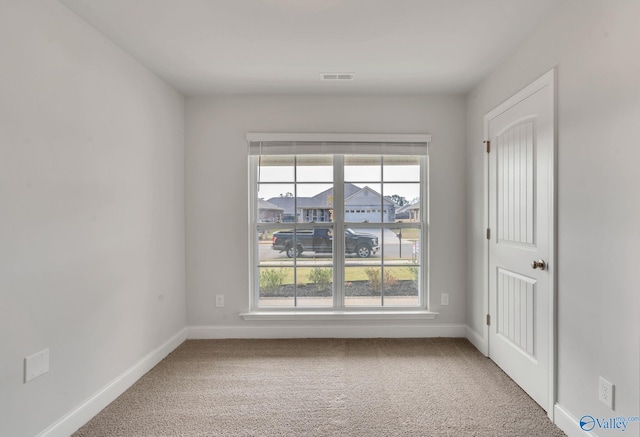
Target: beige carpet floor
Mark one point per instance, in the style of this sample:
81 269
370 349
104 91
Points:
323 387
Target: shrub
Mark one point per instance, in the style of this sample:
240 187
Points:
321 277
272 279
414 271
375 278
389 279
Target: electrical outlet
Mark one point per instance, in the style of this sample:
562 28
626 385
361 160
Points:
606 392
444 299
219 300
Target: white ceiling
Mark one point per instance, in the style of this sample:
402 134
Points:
282 46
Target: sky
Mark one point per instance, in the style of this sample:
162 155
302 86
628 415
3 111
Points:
402 180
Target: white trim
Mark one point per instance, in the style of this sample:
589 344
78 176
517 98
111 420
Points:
477 340
553 253
338 137
338 243
569 424
549 79
84 412
425 218
286 330
252 227
485 258
340 315
337 312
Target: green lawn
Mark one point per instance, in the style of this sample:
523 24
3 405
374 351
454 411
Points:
357 273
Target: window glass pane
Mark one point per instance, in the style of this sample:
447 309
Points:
364 204
312 244
276 287
399 245
313 168
275 203
315 203
400 286
362 168
288 243
362 244
402 195
274 245
410 213
362 286
401 168
275 168
315 286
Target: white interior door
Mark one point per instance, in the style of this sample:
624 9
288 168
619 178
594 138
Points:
521 160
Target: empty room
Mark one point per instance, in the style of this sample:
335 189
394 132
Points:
173 176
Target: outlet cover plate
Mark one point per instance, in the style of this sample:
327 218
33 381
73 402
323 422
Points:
36 365
606 392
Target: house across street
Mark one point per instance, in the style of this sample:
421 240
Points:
361 205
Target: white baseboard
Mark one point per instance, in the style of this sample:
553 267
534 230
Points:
319 331
80 415
479 342
569 424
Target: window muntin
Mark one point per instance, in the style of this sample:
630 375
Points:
373 189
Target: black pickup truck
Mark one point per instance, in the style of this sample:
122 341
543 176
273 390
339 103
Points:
321 241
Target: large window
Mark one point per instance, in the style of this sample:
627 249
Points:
342 231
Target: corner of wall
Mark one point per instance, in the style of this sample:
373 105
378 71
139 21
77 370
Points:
478 340
80 415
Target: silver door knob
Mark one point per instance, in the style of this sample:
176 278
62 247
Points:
539 264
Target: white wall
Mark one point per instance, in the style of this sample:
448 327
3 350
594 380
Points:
92 212
594 44
217 187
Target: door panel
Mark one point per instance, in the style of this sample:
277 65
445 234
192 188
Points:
515 310
515 162
520 162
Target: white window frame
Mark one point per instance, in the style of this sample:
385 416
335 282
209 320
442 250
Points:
338 145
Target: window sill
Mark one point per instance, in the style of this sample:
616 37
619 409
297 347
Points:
341 315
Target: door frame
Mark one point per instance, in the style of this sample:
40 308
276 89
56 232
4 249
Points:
549 79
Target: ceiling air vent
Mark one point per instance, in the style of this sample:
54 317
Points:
337 76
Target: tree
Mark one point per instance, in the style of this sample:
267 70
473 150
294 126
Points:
399 200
